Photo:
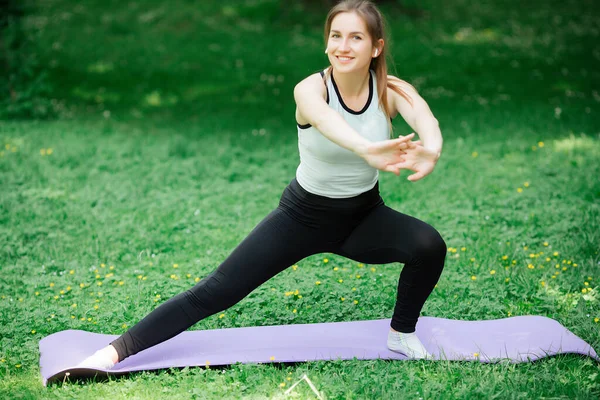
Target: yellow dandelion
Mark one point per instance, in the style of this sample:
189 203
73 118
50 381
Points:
340 280
37 293
121 283
584 290
82 285
475 354
55 297
526 184
472 259
514 262
140 276
505 257
574 265
325 260
102 265
474 154
586 283
596 320
282 384
507 280
473 277
564 268
317 282
541 144
62 292
96 307
556 254
509 314
188 275
463 249
111 267
357 276
353 289
18 366
109 275
51 284
288 378
355 301
175 265
222 316
492 272
295 311
33 331
342 298
49 151
335 269
519 190
74 305
272 358
98 277
43 152
525 247
548 259
296 292
543 283
99 283
144 278
360 265
124 326
373 269
196 279
294 267
158 296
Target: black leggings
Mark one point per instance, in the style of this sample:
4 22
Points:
361 228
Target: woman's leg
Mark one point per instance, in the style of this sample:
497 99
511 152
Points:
386 236
275 244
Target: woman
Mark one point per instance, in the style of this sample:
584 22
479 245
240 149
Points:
333 205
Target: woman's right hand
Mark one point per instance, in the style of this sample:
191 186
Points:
386 155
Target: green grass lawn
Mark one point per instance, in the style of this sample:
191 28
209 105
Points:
176 137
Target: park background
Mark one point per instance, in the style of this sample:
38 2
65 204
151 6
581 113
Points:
142 140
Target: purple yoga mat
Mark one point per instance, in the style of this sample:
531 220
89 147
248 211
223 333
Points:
515 339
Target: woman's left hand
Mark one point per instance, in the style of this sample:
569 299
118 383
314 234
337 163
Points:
418 159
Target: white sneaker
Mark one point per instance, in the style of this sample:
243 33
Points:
407 344
98 360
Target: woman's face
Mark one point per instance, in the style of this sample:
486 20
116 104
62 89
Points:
349 47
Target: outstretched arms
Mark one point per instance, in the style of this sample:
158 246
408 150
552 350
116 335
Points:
313 109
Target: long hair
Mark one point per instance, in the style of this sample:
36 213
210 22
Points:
376 28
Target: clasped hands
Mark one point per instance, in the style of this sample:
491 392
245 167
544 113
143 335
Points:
402 153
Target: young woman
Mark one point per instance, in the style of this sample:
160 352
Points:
343 116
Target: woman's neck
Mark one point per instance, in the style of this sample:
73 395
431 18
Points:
352 84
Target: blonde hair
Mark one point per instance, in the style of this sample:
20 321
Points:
376 28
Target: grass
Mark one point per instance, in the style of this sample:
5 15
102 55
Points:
177 137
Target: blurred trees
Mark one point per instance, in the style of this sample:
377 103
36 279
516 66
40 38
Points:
24 89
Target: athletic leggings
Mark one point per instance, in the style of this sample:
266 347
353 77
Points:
361 228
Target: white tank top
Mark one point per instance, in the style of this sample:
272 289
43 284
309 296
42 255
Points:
329 170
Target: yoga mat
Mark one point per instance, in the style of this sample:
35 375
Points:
515 339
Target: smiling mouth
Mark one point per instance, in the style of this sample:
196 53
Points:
344 58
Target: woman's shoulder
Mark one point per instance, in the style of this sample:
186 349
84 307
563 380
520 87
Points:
315 83
394 81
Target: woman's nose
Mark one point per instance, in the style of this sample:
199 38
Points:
344 45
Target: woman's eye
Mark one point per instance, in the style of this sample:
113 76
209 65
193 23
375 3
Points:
357 37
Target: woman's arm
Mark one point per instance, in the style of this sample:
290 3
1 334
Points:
418 115
313 109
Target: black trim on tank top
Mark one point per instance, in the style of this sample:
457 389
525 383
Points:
326 89
342 100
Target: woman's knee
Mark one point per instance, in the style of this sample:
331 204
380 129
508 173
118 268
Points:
430 245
